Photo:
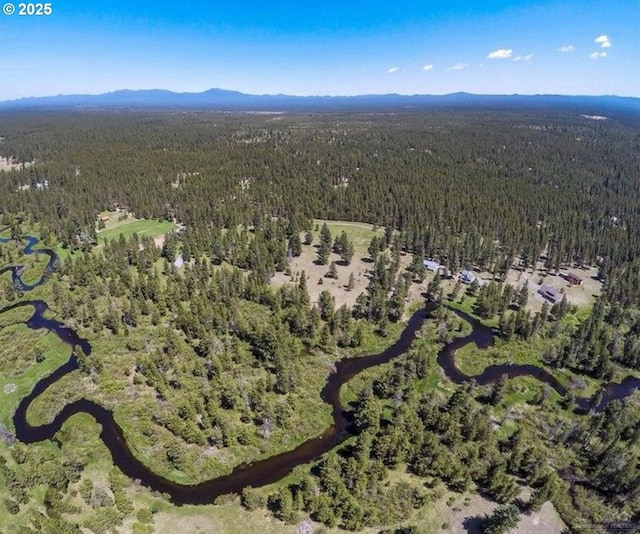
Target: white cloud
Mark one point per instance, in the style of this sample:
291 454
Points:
526 57
566 48
603 41
392 70
429 66
596 55
501 53
458 66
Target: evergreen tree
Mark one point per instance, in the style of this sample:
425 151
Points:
374 248
333 271
308 238
351 283
324 248
503 519
347 252
523 297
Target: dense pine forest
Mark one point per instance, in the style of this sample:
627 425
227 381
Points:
454 184
211 344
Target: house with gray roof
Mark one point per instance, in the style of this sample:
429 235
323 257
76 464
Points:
467 277
550 293
431 265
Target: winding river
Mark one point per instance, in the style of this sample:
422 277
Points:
275 467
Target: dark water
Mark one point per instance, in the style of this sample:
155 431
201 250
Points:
271 469
482 336
16 270
255 474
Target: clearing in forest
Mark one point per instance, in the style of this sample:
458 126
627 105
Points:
360 235
128 226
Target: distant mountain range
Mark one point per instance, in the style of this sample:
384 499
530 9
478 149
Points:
224 100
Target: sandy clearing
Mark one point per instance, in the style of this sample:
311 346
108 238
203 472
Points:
460 518
360 267
354 224
223 519
7 164
582 295
464 516
314 273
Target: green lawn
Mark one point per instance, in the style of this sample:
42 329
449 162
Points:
62 252
575 318
359 233
128 227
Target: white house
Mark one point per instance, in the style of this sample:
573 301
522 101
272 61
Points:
431 265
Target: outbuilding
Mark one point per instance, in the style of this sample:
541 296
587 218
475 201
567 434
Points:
431 265
552 294
467 277
573 279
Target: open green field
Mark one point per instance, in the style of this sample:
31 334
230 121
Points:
359 233
17 315
128 227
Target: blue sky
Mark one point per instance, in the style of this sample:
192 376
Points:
329 47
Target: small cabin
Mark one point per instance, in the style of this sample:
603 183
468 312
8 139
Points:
550 293
467 277
431 265
573 279
178 262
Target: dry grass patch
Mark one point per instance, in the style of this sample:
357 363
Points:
7 164
360 235
462 517
582 295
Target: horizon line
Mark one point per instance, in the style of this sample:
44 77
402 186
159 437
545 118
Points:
281 94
